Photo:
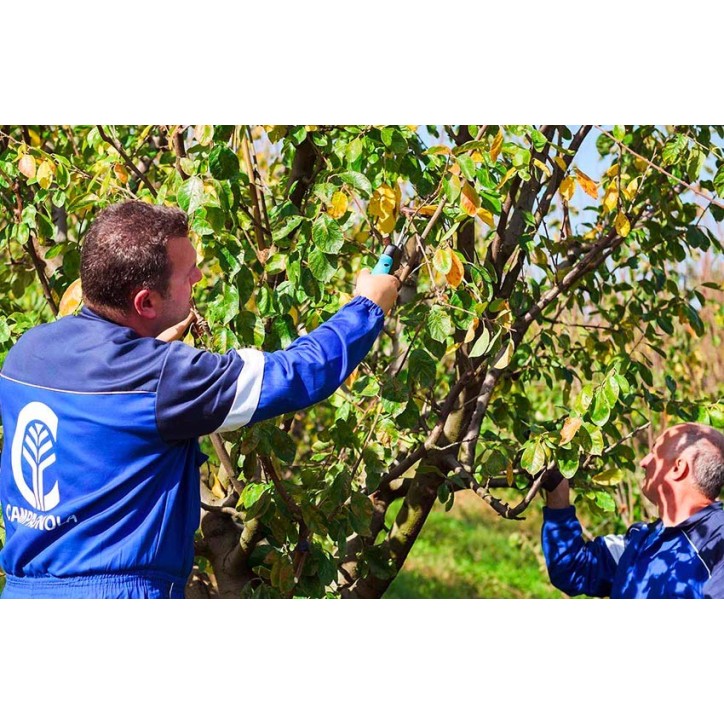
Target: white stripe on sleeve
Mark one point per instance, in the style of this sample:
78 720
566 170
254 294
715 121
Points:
248 390
615 545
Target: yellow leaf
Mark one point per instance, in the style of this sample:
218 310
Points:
506 357
71 299
610 200
427 210
509 473
613 171
45 175
587 184
471 331
630 190
496 145
456 273
442 259
469 199
386 224
26 166
539 257
35 140
385 205
570 428
546 171
487 217
121 174
640 164
218 490
568 186
338 207
508 175
622 224
352 378
560 162
476 156
455 169
438 151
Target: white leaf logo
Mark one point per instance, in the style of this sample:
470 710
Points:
34 439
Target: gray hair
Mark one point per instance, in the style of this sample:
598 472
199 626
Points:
707 446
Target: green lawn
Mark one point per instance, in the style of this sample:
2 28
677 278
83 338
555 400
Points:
470 552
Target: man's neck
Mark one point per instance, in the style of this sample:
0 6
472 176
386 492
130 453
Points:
684 509
124 319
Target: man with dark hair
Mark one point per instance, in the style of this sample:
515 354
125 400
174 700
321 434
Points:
99 478
681 555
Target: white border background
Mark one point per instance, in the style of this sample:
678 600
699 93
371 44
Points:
381 62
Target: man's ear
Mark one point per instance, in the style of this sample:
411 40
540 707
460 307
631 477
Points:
681 468
145 304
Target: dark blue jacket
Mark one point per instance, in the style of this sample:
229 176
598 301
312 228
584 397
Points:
99 478
650 561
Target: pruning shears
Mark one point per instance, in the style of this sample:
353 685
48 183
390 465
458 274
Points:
389 259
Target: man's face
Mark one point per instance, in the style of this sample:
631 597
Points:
659 462
176 306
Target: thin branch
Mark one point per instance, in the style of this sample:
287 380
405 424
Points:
127 160
650 163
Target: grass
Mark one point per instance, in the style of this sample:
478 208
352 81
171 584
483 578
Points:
470 552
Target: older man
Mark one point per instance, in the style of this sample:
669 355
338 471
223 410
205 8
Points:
681 555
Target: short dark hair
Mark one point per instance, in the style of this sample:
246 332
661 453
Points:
125 250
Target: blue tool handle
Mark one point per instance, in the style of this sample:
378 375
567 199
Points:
384 264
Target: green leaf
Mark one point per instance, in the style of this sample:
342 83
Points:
320 266
191 195
719 181
357 181
539 140
360 513
534 458
611 390
327 235
290 223
583 400
422 367
595 436
439 324
619 132
225 307
282 573
251 493
601 408
284 446
223 163
567 462
467 166
605 501
482 344
354 150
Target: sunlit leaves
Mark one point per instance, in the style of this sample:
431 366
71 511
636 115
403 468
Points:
496 146
327 235
71 299
469 199
622 224
587 184
610 198
385 205
567 187
357 181
191 195
204 135
26 166
487 217
44 175
507 355
482 344
570 428
338 206
456 273
601 408
533 459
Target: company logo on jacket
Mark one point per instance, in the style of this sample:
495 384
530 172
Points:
34 442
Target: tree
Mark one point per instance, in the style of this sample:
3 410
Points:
527 336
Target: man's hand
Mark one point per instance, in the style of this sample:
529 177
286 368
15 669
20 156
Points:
382 289
178 331
557 489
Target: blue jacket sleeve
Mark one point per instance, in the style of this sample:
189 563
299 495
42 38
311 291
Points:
200 392
314 366
574 566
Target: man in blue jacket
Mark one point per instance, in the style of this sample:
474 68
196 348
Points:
99 478
681 555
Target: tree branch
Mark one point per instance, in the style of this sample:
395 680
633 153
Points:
127 161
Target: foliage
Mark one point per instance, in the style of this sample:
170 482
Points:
529 332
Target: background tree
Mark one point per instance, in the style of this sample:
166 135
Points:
530 333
